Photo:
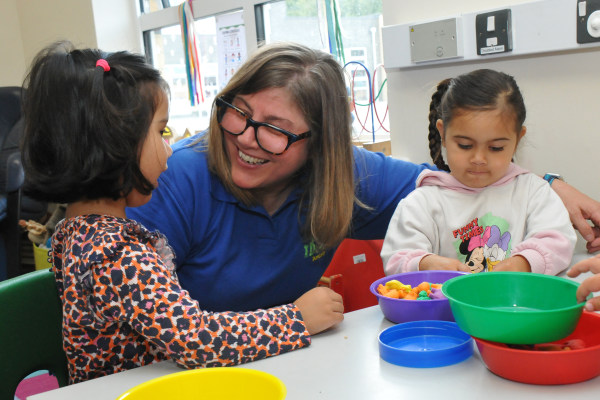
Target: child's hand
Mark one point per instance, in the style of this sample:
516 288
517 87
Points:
589 285
515 263
433 261
321 308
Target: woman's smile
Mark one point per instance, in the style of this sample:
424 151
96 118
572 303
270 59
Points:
251 160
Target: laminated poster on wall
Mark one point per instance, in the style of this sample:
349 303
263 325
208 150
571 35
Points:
231 40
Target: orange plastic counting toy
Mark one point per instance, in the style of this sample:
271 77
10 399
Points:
397 290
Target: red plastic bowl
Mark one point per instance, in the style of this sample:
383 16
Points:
548 367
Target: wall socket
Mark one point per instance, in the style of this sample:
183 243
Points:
494 32
588 21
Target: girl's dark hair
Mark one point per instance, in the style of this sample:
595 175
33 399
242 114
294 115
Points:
479 90
84 126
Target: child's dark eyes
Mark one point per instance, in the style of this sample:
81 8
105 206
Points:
470 146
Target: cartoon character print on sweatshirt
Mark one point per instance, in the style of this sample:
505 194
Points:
483 242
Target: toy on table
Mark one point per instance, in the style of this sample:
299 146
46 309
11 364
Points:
573 344
424 291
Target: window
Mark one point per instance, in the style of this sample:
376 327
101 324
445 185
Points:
361 21
294 21
228 29
168 57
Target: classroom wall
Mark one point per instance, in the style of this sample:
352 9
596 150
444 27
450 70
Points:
11 45
561 93
27 26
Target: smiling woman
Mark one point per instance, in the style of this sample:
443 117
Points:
283 85
267 175
265 196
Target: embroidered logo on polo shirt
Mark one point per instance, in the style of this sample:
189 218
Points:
311 250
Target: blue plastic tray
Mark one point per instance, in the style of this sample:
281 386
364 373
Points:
425 344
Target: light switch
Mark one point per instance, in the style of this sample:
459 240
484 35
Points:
494 32
491 23
581 7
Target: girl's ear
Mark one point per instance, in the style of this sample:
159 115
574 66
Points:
439 124
519 137
522 133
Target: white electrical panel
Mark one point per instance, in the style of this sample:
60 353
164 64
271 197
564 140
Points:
437 40
540 26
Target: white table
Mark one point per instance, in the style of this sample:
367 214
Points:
344 363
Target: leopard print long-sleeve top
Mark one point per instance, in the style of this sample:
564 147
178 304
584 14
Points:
123 306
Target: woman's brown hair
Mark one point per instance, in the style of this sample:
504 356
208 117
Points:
315 82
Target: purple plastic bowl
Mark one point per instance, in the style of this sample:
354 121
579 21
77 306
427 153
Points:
400 310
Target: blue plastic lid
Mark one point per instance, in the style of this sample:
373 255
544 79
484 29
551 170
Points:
425 344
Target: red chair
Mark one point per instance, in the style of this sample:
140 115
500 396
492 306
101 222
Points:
355 265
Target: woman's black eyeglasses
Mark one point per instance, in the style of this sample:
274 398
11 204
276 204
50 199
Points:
270 138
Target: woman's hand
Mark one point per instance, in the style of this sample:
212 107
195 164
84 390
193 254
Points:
589 285
321 308
433 261
581 208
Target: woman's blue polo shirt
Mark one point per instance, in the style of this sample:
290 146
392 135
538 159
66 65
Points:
238 258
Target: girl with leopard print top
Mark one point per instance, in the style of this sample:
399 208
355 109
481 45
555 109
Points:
93 139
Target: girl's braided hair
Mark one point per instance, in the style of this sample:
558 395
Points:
435 140
479 90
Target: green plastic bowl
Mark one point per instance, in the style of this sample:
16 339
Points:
514 307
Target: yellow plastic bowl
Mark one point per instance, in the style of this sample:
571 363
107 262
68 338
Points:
222 383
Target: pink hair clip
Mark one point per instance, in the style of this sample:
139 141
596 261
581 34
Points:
104 64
